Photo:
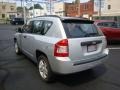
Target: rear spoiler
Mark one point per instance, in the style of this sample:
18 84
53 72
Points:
77 21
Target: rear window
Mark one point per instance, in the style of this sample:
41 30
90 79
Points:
77 29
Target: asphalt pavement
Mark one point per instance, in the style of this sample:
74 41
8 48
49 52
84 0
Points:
17 72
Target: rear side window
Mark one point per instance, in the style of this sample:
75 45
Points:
79 29
100 24
47 25
41 26
108 24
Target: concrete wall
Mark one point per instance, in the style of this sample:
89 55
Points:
59 9
9 9
115 8
37 12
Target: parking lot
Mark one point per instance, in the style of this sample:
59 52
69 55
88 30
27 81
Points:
19 73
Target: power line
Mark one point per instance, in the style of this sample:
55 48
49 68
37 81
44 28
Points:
100 3
43 1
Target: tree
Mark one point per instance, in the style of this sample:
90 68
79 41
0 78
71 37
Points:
20 9
36 6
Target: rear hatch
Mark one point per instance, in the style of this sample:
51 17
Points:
85 41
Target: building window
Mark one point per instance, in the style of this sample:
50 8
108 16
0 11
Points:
109 7
85 7
3 15
12 8
3 7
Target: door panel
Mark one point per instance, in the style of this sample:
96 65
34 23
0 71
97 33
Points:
111 33
116 33
27 43
110 30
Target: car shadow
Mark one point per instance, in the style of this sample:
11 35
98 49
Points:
3 76
113 43
76 79
82 77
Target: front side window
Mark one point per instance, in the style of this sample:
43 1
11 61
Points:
100 24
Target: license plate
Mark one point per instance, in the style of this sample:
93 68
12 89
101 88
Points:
91 48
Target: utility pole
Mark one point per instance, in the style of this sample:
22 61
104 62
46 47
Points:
24 11
77 2
50 7
21 3
100 9
79 8
33 8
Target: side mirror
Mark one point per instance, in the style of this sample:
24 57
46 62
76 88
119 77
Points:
19 30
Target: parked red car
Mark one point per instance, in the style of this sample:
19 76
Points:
111 29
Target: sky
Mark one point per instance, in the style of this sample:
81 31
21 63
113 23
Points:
18 1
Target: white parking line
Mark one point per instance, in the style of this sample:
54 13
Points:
115 48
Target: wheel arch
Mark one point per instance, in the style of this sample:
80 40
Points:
38 53
15 39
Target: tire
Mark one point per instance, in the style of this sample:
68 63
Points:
17 49
45 71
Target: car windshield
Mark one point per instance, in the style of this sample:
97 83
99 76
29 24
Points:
78 29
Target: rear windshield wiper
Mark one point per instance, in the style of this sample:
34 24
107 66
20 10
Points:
91 34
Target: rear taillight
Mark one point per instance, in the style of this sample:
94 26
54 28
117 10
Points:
61 48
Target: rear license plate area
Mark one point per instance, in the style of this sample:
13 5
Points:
91 48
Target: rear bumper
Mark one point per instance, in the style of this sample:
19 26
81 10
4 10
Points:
68 67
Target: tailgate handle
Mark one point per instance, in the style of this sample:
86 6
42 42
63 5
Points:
91 43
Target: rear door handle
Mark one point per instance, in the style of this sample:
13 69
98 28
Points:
91 42
25 36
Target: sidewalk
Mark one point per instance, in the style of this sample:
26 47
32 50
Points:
4 22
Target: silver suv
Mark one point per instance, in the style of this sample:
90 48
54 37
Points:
61 45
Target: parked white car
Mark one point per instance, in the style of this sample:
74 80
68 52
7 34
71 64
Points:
61 44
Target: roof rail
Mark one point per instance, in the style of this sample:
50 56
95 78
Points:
49 16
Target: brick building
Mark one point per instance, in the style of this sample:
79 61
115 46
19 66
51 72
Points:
71 9
86 9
